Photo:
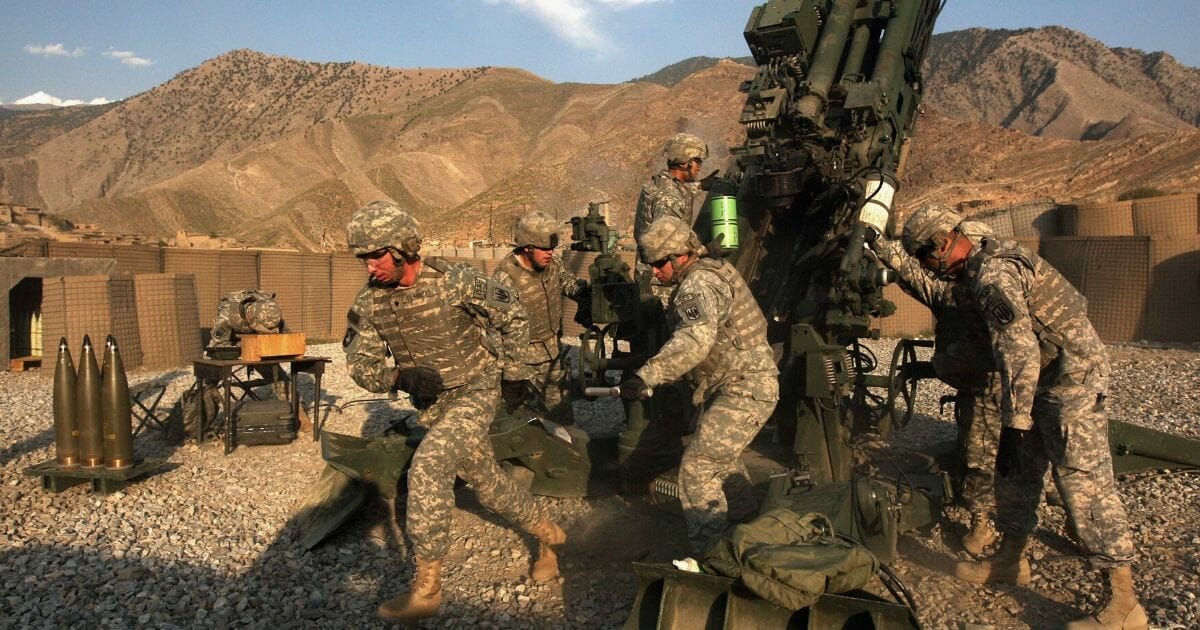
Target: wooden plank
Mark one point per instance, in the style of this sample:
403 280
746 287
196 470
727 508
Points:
257 347
24 363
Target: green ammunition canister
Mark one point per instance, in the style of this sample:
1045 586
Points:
723 210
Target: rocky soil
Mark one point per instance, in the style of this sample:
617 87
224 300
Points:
208 542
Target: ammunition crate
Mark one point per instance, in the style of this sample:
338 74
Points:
258 347
260 422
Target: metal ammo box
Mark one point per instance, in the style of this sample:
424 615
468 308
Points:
265 422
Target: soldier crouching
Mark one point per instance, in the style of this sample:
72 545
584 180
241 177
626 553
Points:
719 341
448 329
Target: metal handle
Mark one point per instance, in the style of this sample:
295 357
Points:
610 392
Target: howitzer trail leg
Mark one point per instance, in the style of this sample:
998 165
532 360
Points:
423 597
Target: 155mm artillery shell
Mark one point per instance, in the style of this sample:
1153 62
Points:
115 415
87 408
66 427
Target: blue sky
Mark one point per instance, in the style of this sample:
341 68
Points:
84 50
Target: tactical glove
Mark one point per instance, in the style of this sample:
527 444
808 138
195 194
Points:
713 248
634 388
1013 443
421 382
707 181
514 393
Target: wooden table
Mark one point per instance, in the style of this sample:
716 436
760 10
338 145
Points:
224 374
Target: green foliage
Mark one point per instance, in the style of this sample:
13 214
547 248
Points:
1140 193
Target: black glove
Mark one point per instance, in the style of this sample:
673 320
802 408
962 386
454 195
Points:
421 382
514 393
634 388
713 248
583 310
1010 451
706 182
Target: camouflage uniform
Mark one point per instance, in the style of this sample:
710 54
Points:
465 326
541 294
1054 371
720 343
962 358
245 312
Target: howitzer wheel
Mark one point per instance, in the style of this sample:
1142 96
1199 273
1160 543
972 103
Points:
902 383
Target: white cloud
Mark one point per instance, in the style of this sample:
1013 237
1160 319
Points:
42 98
128 58
53 50
574 21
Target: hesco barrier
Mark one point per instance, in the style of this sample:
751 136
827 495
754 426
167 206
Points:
166 318
1173 216
96 306
1138 263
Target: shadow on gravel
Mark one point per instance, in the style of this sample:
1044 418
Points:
21 447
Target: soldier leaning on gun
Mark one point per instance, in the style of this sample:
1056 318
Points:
449 330
719 341
962 358
1054 373
541 281
245 312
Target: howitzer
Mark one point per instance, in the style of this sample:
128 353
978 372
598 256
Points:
828 118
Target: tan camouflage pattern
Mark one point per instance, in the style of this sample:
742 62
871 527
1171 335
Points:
453 319
925 223
541 293
245 312
720 343
1054 373
381 224
663 196
962 358
537 229
713 481
668 236
684 147
719 334
457 445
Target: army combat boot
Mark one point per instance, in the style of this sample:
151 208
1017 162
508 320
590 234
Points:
548 534
423 597
980 535
1123 611
1008 565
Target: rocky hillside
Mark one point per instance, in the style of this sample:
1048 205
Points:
1059 83
278 152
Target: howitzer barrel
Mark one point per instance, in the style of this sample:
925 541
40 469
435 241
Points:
827 57
66 424
87 406
115 413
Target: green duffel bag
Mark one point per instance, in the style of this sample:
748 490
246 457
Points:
789 559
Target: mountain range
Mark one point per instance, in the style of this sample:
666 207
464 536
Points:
278 152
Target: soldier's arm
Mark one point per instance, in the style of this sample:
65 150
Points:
571 286
366 351
700 308
1001 296
914 279
663 204
496 304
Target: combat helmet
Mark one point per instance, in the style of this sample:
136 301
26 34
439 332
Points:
263 316
536 229
681 148
666 237
383 224
926 222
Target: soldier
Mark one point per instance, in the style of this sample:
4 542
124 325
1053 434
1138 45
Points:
541 281
962 359
448 329
245 312
1054 376
672 191
719 341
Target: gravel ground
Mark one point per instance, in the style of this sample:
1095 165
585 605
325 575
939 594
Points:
207 542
